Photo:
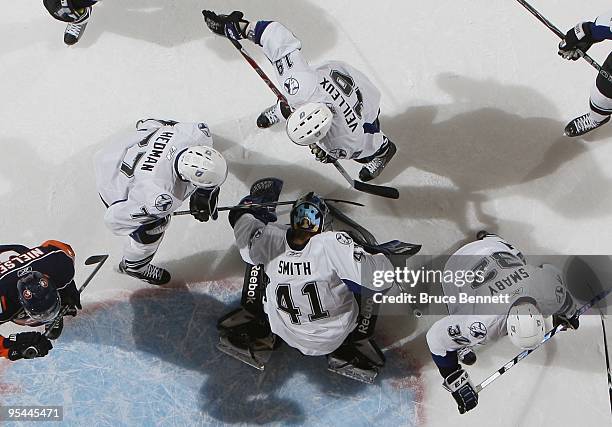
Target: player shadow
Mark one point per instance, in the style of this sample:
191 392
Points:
474 149
170 23
178 326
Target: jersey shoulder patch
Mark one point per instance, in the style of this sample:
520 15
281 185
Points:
64 247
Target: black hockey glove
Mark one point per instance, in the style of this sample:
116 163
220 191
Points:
320 154
569 322
578 38
466 356
71 299
151 232
28 345
203 204
460 386
265 214
231 26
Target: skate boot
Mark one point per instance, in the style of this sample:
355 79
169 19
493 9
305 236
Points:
150 273
247 338
583 124
75 30
360 361
268 118
375 164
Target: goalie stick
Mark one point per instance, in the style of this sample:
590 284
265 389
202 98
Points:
377 190
547 337
32 352
262 205
555 30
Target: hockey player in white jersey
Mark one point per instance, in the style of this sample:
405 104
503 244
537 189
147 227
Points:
75 12
537 297
582 37
147 176
309 297
335 106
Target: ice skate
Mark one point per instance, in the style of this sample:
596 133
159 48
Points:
582 125
376 163
268 118
150 274
360 361
74 30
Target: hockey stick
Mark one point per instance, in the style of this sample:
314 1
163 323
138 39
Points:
547 336
32 352
367 240
603 327
377 190
555 30
263 205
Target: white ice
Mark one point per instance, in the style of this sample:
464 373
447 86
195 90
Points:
474 95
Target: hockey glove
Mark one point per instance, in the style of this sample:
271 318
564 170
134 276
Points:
18 344
151 232
71 299
577 39
265 214
460 386
569 322
231 26
320 154
466 356
203 204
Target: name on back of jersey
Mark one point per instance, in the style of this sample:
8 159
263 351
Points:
156 151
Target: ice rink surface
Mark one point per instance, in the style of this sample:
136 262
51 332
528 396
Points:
476 99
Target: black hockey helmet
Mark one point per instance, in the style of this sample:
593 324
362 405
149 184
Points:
308 213
39 297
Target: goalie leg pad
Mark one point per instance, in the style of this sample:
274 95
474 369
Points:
360 361
246 338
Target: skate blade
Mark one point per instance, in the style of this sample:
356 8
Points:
354 373
251 361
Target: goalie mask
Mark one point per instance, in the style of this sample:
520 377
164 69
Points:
39 297
308 213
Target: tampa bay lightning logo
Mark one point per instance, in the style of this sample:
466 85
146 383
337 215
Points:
478 330
338 153
163 202
343 239
291 86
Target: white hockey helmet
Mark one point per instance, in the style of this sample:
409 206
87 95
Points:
203 166
525 325
309 123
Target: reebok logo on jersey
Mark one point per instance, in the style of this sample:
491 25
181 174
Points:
158 148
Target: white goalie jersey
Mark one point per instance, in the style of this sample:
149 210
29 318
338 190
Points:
137 177
308 301
353 99
505 273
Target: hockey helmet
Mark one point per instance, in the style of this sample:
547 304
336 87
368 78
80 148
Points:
203 166
309 123
525 325
308 213
39 297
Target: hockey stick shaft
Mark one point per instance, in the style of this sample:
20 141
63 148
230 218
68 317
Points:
605 340
547 337
263 205
376 190
555 30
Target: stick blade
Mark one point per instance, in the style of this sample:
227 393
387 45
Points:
96 259
377 190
